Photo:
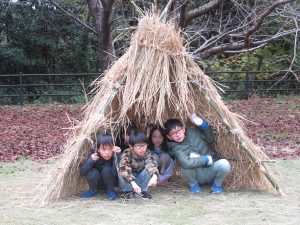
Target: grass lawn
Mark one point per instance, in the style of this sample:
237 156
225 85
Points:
171 204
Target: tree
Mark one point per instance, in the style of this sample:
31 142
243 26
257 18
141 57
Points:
213 28
35 37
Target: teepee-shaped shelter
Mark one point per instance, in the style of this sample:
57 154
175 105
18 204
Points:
154 80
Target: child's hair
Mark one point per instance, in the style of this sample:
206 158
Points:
130 128
104 139
164 144
137 137
171 124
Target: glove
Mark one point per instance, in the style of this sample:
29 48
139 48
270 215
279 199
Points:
198 121
208 160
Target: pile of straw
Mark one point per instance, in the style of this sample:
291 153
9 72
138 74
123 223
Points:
154 80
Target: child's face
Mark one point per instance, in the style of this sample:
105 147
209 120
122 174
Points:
177 134
139 148
157 138
106 151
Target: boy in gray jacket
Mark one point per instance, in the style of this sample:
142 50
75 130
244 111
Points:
198 162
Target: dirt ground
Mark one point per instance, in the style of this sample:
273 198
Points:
171 204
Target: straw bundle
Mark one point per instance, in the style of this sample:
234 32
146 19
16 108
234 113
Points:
154 80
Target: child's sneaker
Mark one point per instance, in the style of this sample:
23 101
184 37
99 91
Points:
195 188
127 195
217 189
111 195
88 194
145 194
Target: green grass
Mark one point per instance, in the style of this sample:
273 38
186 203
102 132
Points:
278 134
171 204
294 106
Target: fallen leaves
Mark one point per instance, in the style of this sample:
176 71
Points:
276 127
34 131
40 131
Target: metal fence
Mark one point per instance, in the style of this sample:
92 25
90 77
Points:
24 88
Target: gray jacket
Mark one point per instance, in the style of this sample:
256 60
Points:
196 140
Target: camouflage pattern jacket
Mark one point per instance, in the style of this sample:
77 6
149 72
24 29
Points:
130 162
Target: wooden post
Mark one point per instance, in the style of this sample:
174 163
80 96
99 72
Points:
21 89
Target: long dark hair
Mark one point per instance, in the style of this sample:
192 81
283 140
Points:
164 144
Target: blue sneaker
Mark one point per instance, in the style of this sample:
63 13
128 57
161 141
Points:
88 194
195 188
111 195
217 189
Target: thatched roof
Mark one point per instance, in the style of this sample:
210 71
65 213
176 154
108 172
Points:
154 80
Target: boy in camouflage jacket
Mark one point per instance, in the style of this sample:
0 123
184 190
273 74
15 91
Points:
137 168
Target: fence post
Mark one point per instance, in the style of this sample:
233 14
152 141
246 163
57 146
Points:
247 84
21 88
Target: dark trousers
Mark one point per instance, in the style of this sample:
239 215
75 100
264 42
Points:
105 178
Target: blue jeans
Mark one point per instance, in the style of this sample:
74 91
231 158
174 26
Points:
106 178
217 172
142 179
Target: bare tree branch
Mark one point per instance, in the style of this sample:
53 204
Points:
246 50
72 16
260 20
202 10
237 47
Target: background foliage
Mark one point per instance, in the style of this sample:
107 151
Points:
37 37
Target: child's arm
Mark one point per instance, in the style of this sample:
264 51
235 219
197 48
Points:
151 164
87 165
125 169
187 162
206 131
136 188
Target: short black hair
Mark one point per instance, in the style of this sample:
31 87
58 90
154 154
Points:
161 130
130 128
171 124
137 137
104 139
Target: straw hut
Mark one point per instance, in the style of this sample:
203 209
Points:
154 80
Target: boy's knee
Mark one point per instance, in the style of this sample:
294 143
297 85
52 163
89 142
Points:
144 173
93 174
106 170
224 165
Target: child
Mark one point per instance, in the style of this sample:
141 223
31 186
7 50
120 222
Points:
123 138
190 148
99 167
137 168
158 147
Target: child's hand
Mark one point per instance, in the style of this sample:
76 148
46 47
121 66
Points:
136 187
208 159
153 181
196 119
94 157
116 149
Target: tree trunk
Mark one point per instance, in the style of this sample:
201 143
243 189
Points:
102 12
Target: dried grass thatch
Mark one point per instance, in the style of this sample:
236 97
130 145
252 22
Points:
154 80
